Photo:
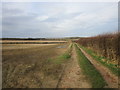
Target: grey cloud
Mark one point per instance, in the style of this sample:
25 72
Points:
62 17
6 11
44 23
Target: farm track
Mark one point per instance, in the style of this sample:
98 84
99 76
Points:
72 76
111 79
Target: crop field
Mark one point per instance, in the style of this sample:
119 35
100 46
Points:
32 41
22 46
32 65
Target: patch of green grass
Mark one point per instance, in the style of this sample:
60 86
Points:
112 67
64 57
90 71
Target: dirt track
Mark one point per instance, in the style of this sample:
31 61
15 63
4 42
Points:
111 79
73 77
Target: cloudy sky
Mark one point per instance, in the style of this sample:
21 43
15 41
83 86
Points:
58 19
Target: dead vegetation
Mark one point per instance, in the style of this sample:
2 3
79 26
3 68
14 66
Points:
31 68
107 45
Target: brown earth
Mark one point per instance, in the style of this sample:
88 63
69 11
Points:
73 76
31 67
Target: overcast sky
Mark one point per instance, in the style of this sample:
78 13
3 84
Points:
58 19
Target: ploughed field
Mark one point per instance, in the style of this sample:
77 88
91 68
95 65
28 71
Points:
32 65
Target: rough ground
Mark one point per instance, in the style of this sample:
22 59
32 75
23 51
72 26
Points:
110 78
31 67
72 75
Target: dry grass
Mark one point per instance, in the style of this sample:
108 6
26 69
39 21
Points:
21 46
106 45
30 67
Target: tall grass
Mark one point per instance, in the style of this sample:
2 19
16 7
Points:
90 71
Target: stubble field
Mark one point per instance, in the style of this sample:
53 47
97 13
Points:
32 65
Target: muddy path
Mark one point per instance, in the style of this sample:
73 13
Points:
110 78
72 76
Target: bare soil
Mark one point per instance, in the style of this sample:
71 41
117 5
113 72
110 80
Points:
30 68
73 76
110 78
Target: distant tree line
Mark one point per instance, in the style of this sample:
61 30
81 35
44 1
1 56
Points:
32 39
23 38
32 42
107 45
59 39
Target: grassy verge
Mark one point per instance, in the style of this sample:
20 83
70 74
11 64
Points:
90 71
112 67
